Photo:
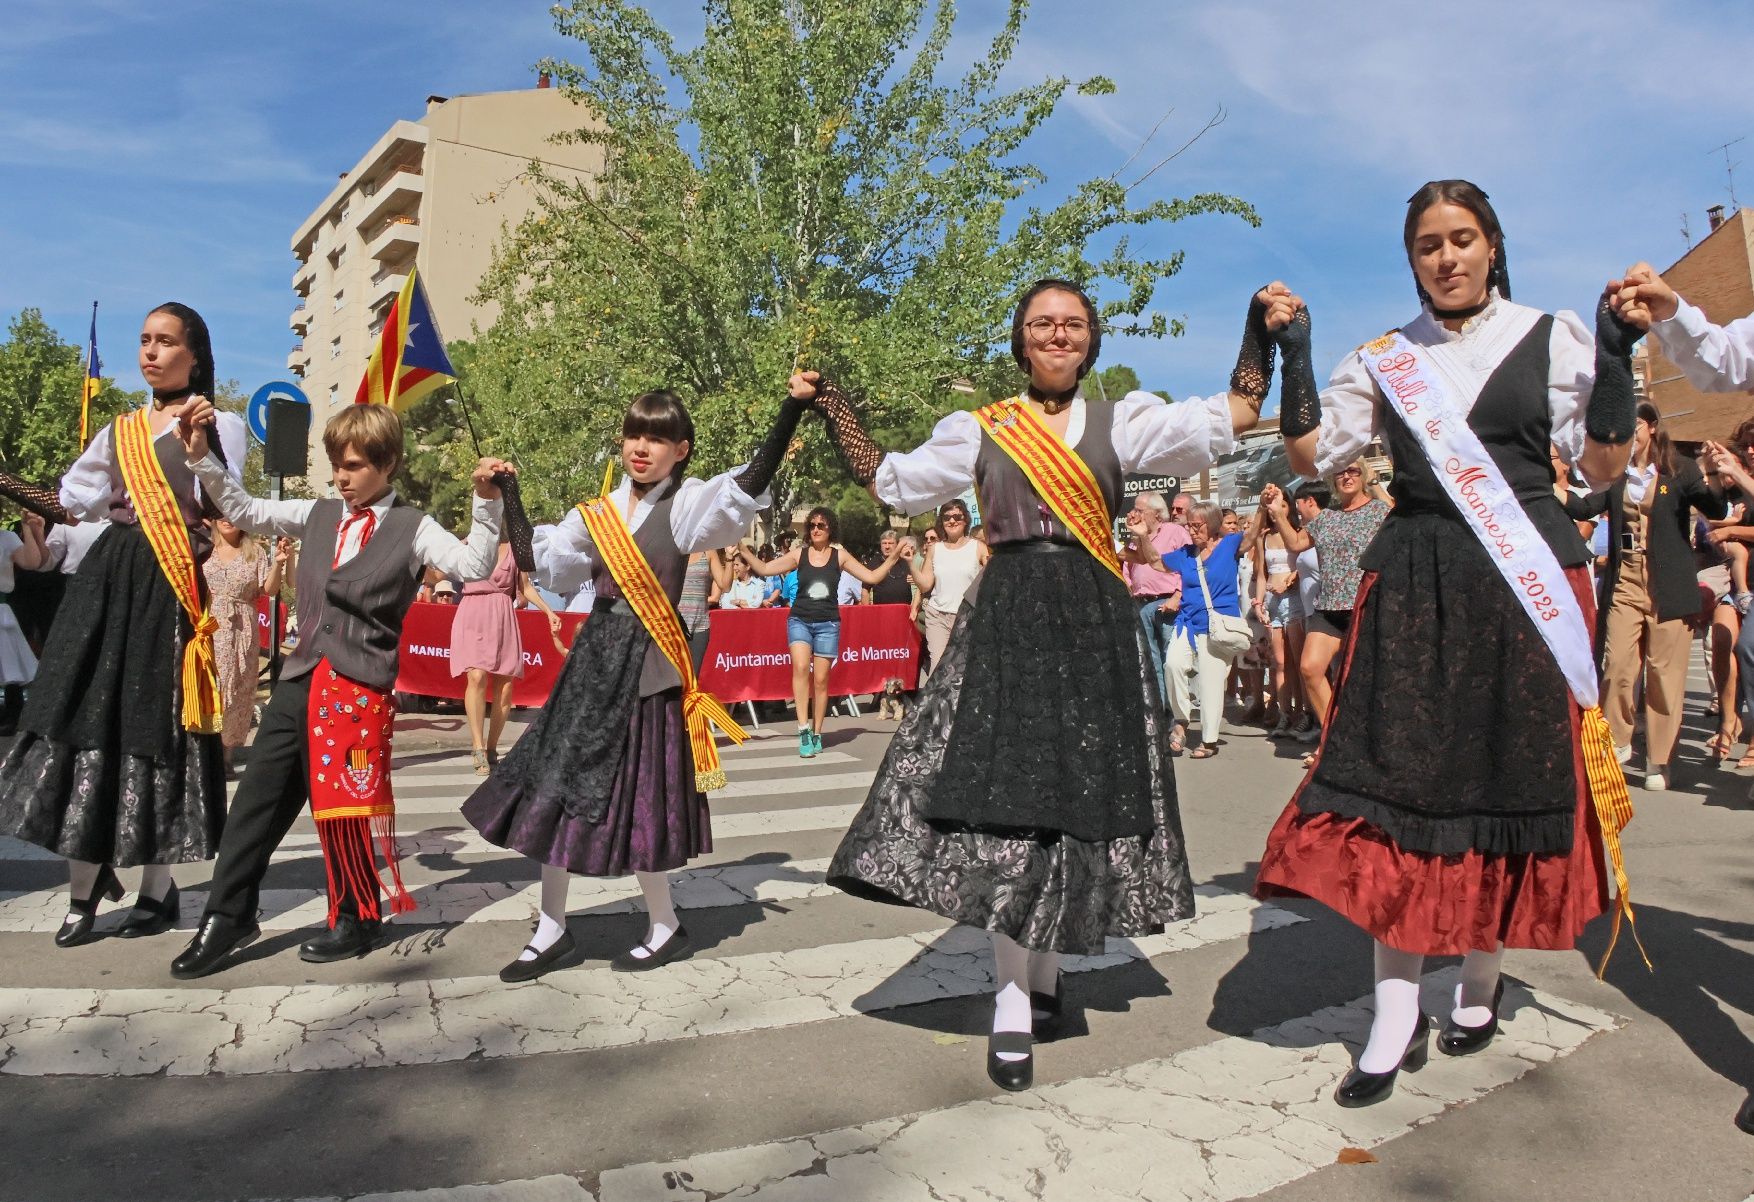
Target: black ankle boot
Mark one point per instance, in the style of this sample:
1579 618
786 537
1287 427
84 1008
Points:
1367 1089
75 931
350 938
216 938
1457 1040
150 917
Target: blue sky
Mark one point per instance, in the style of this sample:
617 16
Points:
160 151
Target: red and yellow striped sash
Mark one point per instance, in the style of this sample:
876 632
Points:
1062 480
162 523
646 597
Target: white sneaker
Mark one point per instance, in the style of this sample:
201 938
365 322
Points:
1654 782
1623 755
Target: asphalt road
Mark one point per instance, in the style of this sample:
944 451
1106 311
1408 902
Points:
819 1047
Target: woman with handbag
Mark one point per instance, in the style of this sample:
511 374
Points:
1210 631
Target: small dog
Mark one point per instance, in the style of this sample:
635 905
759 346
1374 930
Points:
894 704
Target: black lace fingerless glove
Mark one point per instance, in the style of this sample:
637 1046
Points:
1253 372
755 478
1300 398
519 532
1612 412
40 499
857 451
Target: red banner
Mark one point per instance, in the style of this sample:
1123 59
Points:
426 653
265 639
747 658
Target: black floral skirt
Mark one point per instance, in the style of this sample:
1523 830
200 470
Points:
102 769
1057 717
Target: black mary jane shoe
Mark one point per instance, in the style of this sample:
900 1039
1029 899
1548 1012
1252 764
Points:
150 917
674 948
348 939
77 930
1457 1040
541 962
1011 1075
1044 1014
1367 1089
215 939
1745 1116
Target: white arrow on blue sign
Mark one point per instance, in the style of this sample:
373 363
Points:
256 415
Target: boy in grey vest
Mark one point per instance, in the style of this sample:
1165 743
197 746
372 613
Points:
325 730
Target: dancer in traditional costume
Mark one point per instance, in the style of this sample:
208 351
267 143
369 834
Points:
1716 359
325 732
612 777
1466 777
118 760
1028 793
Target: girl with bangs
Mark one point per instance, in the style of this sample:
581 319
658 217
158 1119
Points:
603 783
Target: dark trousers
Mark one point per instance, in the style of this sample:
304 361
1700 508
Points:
275 789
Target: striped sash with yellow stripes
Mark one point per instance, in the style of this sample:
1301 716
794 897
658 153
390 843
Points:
1062 480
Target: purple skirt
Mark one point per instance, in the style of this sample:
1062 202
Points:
603 783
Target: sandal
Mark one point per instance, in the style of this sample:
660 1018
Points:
1204 751
1309 759
1175 741
480 757
1747 760
1719 745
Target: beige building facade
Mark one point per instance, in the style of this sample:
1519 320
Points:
435 193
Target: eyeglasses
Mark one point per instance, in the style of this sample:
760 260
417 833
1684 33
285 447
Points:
931 538
817 525
1042 330
1348 471
954 517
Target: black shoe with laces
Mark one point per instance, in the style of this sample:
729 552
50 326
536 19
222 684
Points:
350 938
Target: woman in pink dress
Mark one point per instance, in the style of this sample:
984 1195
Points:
238 575
485 644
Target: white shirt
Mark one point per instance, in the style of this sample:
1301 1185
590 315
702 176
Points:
65 547
752 592
1150 436
1638 481
706 513
9 542
582 601
88 484
1463 360
1713 358
434 546
849 590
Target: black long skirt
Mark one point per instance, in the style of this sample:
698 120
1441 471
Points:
1063 693
102 769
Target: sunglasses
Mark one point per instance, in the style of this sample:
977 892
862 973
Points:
817 525
1349 471
954 517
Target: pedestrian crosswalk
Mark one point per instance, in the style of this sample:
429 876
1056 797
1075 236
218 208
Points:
1221 1118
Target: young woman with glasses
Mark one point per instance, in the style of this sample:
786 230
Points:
813 626
953 563
1029 792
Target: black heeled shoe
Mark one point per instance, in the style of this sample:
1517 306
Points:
75 931
150 917
1745 1116
540 963
1011 1075
1367 1089
1044 1013
674 948
1457 1040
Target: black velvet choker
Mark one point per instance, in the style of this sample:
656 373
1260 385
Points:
163 397
1463 314
1053 402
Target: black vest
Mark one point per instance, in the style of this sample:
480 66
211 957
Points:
353 614
1011 510
657 542
1512 420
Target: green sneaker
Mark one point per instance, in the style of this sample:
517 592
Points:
815 742
806 742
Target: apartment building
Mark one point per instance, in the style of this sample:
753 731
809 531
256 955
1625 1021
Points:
434 193
1718 276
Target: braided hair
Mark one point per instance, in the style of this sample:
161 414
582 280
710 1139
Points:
1468 196
1020 342
203 380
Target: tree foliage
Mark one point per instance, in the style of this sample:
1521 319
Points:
804 188
40 382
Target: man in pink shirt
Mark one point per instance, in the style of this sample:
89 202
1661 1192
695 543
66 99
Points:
1158 592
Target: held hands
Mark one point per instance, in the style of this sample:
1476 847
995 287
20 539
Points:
1641 297
1273 500
486 468
804 385
1281 305
282 552
34 526
1615 335
193 418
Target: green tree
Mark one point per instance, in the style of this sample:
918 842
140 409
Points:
800 190
40 382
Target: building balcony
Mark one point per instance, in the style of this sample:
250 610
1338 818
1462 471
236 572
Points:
387 283
304 277
301 320
398 239
397 193
298 360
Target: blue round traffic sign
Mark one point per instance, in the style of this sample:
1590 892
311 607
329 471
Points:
256 415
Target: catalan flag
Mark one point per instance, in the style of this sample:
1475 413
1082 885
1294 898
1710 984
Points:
94 381
409 360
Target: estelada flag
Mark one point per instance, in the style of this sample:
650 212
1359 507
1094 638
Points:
409 360
94 381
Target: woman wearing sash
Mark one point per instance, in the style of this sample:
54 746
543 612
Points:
611 779
1453 805
1029 793
119 761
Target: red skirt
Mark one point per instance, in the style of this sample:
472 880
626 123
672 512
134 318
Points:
1442 904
